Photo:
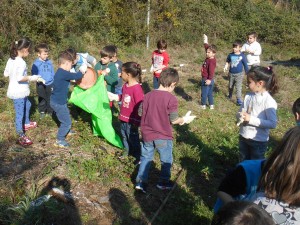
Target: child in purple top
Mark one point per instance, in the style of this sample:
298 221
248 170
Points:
131 97
159 111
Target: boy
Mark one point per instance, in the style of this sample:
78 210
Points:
81 58
296 111
252 49
110 75
236 60
43 66
208 73
118 64
159 108
59 96
160 61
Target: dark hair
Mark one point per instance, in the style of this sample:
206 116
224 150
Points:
41 47
213 48
237 43
108 51
296 107
134 69
161 44
72 52
168 76
19 45
280 177
266 74
65 56
252 33
242 213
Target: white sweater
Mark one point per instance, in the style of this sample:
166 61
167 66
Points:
253 58
16 69
262 109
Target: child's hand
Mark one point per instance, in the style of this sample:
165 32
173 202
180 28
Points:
33 78
207 82
205 39
225 68
41 80
106 71
83 68
112 96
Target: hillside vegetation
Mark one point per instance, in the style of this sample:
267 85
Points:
100 186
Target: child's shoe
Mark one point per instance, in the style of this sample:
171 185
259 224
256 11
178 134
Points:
31 125
42 115
211 107
165 185
229 96
25 141
140 186
61 144
203 106
239 102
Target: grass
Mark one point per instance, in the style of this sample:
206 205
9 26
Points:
91 170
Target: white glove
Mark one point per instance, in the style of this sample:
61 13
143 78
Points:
112 96
151 69
205 39
33 78
41 80
188 118
241 119
83 68
106 71
225 68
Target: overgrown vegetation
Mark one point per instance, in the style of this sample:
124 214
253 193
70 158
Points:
101 185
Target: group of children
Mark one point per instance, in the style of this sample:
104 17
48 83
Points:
153 112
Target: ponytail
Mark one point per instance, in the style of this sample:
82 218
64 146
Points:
19 45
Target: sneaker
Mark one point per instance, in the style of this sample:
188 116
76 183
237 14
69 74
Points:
141 187
25 141
211 107
31 125
239 102
203 106
61 144
229 97
165 185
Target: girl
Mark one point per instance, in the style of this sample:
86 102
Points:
131 98
18 88
258 112
280 181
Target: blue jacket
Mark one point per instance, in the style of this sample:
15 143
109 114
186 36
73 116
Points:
45 69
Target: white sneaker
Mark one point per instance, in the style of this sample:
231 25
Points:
211 107
203 106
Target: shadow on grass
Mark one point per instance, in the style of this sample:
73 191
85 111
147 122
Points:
181 92
58 209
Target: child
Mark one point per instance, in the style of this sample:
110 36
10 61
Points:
242 213
18 88
118 63
111 77
296 111
236 60
159 111
279 192
81 58
208 73
258 112
59 96
43 67
160 61
252 49
131 98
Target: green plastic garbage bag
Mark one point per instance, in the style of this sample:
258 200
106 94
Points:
95 101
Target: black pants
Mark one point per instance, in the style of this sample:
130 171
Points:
44 93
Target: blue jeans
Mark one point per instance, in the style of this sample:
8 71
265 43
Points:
131 140
22 107
250 149
63 115
164 148
155 82
207 92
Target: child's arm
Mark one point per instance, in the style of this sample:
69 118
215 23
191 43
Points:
211 67
244 61
269 123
